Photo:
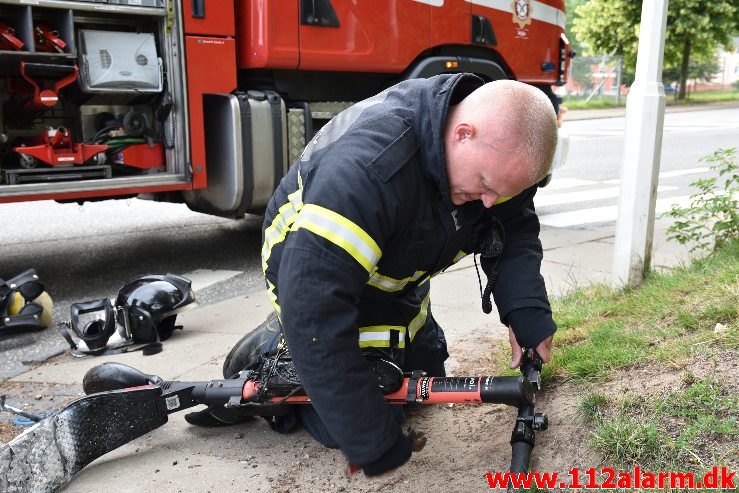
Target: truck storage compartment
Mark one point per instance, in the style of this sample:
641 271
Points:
113 62
246 144
87 98
16 32
53 32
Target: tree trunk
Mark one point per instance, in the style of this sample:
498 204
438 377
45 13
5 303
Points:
684 68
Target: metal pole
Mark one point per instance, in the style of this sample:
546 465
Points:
618 80
645 111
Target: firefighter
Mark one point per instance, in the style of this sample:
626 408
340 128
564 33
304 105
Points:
389 193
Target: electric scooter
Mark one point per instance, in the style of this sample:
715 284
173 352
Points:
124 403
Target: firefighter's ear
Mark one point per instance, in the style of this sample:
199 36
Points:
463 132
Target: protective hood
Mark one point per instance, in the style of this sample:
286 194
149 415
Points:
430 120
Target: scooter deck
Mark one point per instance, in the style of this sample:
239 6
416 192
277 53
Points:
46 456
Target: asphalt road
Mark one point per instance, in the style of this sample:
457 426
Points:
86 252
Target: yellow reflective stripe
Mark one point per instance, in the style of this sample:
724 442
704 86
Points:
273 297
379 335
391 285
459 256
340 231
501 200
419 320
276 232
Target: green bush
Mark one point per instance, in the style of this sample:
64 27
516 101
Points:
712 217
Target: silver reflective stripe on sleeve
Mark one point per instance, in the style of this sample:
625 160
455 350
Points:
391 285
273 298
276 232
460 255
420 320
380 336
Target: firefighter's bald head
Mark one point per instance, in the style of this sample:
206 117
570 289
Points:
499 140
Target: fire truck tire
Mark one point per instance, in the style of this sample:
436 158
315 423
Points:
435 65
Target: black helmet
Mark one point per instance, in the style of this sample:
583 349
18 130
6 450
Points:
147 306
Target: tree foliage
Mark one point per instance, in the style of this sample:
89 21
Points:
699 69
695 28
581 72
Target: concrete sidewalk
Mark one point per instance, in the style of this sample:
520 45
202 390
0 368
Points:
178 457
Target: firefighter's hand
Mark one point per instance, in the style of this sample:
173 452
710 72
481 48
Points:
417 442
543 349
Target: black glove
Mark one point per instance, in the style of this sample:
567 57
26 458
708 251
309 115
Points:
531 325
407 442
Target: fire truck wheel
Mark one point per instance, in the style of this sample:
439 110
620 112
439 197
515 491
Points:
99 159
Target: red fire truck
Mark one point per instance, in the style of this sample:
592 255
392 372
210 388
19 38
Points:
208 102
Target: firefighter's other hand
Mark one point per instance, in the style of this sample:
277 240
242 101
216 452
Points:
416 440
544 348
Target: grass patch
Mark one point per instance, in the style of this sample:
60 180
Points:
706 97
601 102
591 406
596 103
625 440
609 347
670 316
678 430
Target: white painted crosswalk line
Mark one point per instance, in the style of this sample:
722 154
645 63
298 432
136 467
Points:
603 214
580 134
560 183
681 172
584 196
666 174
202 278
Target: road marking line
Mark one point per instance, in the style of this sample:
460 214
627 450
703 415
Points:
584 196
202 278
667 174
560 183
604 214
595 132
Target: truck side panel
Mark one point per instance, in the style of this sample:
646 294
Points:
209 17
527 40
450 24
267 34
211 68
386 37
371 37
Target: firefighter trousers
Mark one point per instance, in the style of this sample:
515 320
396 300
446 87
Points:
427 352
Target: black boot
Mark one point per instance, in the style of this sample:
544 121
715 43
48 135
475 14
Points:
245 354
249 350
